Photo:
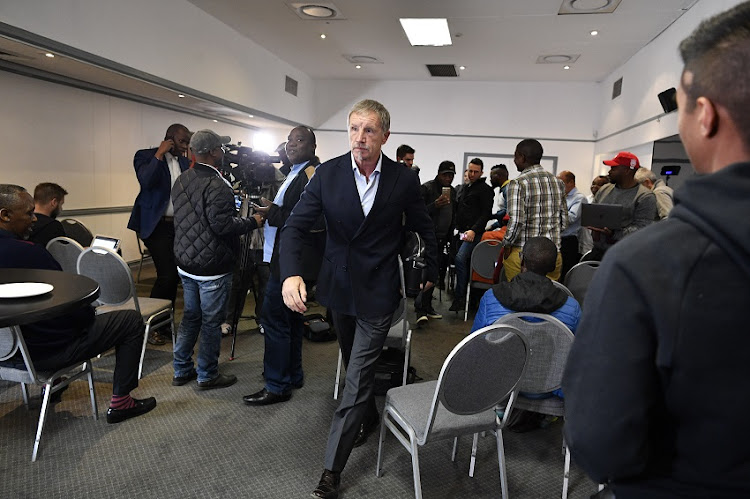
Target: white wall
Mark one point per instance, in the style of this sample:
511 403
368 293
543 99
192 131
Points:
174 40
85 142
653 69
444 120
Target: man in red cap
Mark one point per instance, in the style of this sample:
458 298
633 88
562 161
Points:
638 202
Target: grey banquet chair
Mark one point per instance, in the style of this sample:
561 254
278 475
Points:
16 366
399 336
117 289
549 343
579 277
483 260
75 230
481 372
65 251
564 288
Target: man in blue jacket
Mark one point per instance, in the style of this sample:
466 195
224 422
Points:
153 215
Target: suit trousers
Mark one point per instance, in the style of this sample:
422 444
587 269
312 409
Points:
161 246
122 330
361 341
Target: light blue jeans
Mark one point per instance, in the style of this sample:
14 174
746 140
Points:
205 310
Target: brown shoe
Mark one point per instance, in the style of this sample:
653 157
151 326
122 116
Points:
154 338
328 487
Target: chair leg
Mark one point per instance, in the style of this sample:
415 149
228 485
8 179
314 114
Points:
501 463
338 376
140 266
407 354
381 441
473 461
25 394
415 467
566 474
466 306
143 350
92 390
455 448
42 418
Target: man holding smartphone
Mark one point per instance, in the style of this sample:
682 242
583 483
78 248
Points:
440 199
152 217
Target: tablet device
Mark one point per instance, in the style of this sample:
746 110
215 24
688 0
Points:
601 215
106 242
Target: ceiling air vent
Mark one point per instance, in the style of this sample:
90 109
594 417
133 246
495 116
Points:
291 86
442 70
617 89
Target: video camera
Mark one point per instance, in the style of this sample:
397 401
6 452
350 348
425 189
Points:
251 169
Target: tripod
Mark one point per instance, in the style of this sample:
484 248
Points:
245 282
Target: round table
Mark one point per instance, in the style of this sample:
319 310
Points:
71 291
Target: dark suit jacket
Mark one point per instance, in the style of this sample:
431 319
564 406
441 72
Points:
156 185
359 274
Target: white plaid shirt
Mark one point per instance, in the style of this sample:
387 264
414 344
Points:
536 207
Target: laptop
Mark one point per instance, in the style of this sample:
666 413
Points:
110 243
601 216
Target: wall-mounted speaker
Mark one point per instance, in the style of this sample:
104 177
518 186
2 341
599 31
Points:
668 100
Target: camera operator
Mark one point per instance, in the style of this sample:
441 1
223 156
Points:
206 246
283 328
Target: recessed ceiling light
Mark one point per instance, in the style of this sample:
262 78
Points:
566 67
181 96
358 66
427 32
594 32
462 68
251 116
318 11
50 55
323 36
216 121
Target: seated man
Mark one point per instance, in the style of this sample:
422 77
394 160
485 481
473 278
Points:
48 203
530 291
62 341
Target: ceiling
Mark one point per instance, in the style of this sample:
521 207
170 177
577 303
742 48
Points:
496 40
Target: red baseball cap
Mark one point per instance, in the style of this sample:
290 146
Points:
624 159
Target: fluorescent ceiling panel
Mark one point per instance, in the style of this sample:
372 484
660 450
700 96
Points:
427 32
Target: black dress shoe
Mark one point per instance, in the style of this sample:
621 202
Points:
328 487
457 305
142 406
264 397
365 430
181 380
220 381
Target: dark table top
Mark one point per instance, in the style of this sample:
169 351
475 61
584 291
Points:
70 292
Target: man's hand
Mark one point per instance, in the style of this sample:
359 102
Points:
294 293
264 207
427 285
443 200
469 236
166 146
259 219
597 232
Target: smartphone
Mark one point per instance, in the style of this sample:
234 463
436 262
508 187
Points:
447 192
462 236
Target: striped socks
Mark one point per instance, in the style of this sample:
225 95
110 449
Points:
120 402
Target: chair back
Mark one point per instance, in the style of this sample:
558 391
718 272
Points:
397 334
66 251
562 286
549 343
110 271
579 277
482 370
11 342
484 258
75 230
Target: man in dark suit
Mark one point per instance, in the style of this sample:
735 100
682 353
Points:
364 197
153 215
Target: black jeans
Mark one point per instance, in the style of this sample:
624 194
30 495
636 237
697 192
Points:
570 254
122 330
161 246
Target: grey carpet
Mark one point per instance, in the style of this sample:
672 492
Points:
208 444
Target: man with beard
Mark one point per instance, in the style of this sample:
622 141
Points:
48 202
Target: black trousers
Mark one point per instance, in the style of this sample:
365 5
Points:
423 301
570 254
122 330
361 341
161 246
